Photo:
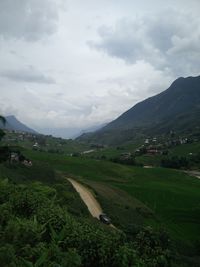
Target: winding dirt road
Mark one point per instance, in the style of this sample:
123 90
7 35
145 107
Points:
194 173
88 198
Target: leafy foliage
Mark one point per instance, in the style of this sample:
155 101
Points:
175 162
3 121
37 230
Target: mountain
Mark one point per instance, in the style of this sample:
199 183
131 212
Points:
92 129
12 123
177 108
67 133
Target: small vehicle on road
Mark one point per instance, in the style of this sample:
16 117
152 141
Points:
104 218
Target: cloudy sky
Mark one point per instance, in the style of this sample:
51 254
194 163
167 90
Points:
75 63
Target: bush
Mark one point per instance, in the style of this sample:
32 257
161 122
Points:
175 162
7 256
36 231
126 256
4 153
25 202
153 247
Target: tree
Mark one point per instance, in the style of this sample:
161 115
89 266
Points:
3 120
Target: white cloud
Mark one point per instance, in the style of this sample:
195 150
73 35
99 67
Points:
162 39
30 20
28 74
50 77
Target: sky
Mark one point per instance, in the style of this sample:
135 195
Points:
75 64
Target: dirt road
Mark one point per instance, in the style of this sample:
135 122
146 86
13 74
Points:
194 173
88 198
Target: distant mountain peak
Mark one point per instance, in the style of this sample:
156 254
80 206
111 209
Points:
175 108
12 123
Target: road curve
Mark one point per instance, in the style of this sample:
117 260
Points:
88 198
194 173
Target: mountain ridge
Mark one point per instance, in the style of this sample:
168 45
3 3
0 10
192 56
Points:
12 123
165 108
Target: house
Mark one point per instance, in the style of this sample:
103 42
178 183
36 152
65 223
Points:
88 151
14 157
27 163
36 146
153 151
125 156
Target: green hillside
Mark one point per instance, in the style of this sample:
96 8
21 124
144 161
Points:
157 188
45 223
156 211
176 108
12 123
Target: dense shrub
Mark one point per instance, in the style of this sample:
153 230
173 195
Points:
126 161
25 202
4 153
195 158
1 134
36 230
7 256
175 162
153 247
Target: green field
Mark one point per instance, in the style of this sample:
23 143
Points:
112 152
134 197
45 143
172 196
43 222
185 149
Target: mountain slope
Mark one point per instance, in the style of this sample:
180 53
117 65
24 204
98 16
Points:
12 123
177 108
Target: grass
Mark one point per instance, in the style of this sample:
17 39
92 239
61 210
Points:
41 176
46 143
153 160
173 196
124 211
185 149
85 167
180 150
112 152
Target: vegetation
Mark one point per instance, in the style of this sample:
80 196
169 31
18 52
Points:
175 162
176 108
43 222
185 156
43 143
39 229
163 190
3 121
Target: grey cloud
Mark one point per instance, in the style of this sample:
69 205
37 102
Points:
28 19
122 41
29 74
48 107
166 40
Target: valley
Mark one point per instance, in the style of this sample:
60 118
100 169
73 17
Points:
143 176
99 133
